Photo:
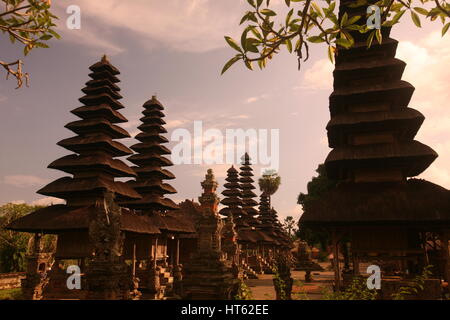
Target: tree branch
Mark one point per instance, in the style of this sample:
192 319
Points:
442 8
18 74
14 10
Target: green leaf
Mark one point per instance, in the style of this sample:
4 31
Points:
344 43
251 44
379 36
244 18
233 44
445 28
415 18
315 39
397 16
231 62
370 39
268 12
354 19
331 51
289 15
421 10
344 20
248 64
289 45
288 2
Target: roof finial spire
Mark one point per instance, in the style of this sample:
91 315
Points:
105 59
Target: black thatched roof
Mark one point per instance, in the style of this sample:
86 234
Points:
414 202
59 218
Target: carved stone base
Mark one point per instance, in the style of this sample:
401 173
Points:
209 278
108 281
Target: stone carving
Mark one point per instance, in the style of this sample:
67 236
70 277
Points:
107 276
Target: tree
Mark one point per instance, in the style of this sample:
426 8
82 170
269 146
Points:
308 22
316 189
13 245
269 183
289 225
30 23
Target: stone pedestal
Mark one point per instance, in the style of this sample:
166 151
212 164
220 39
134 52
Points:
208 275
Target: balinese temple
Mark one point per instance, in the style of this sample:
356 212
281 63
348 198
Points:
232 199
281 236
158 256
150 158
268 227
255 254
391 219
247 195
208 276
246 237
91 228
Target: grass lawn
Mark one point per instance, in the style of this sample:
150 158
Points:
11 294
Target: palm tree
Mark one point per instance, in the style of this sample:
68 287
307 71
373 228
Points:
269 183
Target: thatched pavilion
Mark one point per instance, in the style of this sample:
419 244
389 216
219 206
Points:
387 219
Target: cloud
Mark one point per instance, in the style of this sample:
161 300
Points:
192 26
24 181
256 98
98 37
174 123
428 62
318 77
47 201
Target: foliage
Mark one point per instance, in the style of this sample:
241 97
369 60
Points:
13 245
269 182
282 274
417 284
301 294
30 23
316 189
357 290
244 292
289 225
315 22
11 294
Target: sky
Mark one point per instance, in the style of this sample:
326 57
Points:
176 49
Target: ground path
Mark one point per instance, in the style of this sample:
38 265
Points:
262 288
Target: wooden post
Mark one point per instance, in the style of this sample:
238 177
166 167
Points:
155 253
134 259
177 255
445 255
337 276
355 264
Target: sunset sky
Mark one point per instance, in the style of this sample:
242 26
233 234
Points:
176 49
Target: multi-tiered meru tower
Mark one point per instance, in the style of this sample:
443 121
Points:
390 220
150 160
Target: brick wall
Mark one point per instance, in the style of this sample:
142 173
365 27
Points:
11 280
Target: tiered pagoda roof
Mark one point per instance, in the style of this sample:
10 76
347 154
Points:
93 165
372 129
267 220
282 237
150 160
232 199
247 187
372 134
